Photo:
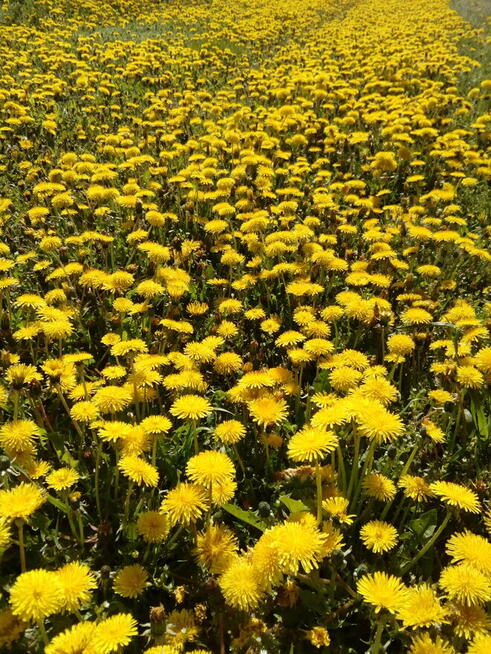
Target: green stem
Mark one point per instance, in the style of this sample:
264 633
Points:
410 460
131 362
428 545
67 409
195 437
22 550
399 384
399 509
16 405
402 521
96 479
69 514
210 498
174 537
127 503
154 450
42 631
367 510
354 468
460 411
367 466
342 471
403 472
239 459
147 552
318 480
266 449
378 634
392 371
116 474
81 528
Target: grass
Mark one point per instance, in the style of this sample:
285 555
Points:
477 12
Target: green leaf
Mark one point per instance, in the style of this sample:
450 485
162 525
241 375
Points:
57 441
246 516
294 506
59 504
217 408
480 419
68 458
131 532
311 600
425 525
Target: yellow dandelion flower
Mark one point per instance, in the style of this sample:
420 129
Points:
415 487
84 411
465 583
111 399
132 346
382 591
19 436
378 389
424 644
379 425
113 633
77 581
138 470
230 432
480 645
227 363
4 534
268 410
379 486
19 375
469 377
338 506
240 585
319 637
471 548
296 545
11 627
156 425
180 628
21 501
130 581
223 491
62 478
440 396
483 360
318 347
190 407
185 504
468 620
311 444
456 495
215 548
36 594
74 639
421 608
416 316
210 467
379 536
433 431
153 526
344 378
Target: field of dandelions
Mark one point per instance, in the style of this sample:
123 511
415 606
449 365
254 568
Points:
245 326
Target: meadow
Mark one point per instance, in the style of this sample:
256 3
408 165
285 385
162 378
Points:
245 315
